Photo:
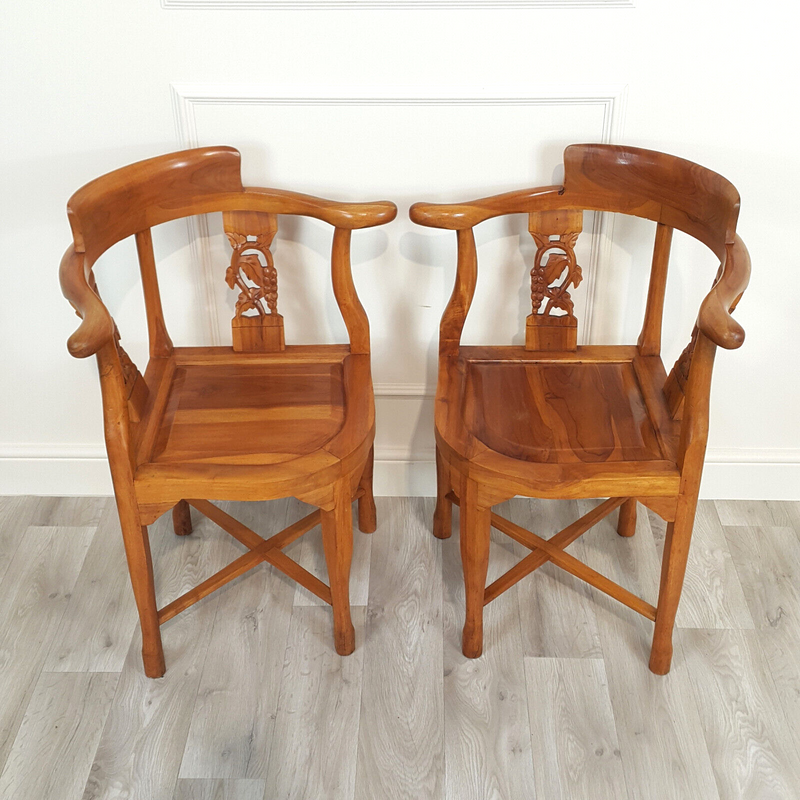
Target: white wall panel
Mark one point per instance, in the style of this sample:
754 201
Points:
408 100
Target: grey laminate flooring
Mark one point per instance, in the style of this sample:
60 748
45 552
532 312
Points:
256 704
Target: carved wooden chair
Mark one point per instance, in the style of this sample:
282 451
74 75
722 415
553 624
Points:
553 420
255 421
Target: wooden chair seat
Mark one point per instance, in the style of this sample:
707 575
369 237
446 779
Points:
256 420
250 422
578 422
239 413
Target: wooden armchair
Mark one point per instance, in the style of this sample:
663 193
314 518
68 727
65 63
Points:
255 421
555 420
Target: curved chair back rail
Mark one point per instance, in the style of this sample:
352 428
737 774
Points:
255 421
135 198
556 420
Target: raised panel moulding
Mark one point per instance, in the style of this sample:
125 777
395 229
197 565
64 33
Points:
187 97
421 5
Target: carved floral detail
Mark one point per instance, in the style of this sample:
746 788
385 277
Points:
684 362
555 270
130 371
257 282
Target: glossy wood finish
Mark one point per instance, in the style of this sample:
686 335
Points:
256 421
556 420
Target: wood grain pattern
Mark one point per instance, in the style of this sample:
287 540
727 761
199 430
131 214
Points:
67 512
561 413
752 753
768 563
558 620
87 641
401 735
198 789
234 712
244 414
333 730
758 513
575 748
659 730
61 728
315 748
487 730
15 515
33 595
140 751
712 592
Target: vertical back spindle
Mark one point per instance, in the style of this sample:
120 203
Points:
160 343
650 337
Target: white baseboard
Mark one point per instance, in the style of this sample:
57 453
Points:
82 470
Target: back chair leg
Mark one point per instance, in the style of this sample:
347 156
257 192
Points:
475 529
182 518
367 513
673 570
140 566
337 541
626 526
443 515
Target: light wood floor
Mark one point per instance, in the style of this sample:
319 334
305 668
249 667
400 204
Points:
256 704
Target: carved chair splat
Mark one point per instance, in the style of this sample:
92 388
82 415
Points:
256 421
556 420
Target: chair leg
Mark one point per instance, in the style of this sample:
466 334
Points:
367 513
673 570
140 567
337 541
475 528
182 518
443 515
626 526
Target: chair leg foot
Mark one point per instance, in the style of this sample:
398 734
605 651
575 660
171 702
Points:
337 541
475 528
153 661
182 518
626 526
661 660
443 515
673 570
345 641
367 513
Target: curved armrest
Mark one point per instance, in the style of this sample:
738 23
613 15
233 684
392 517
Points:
715 320
97 327
467 215
341 215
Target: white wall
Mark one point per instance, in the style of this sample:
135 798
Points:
406 101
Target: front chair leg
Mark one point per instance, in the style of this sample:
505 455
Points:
673 570
367 513
182 518
626 526
140 567
475 530
337 541
443 515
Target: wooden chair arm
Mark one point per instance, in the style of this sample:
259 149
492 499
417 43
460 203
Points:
715 320
349 216
97 327
467 215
